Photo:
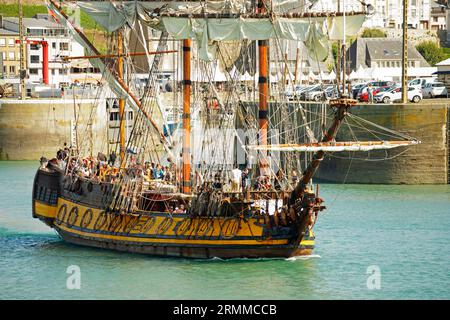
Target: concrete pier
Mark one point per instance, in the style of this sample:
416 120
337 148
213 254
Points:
33 128
426 163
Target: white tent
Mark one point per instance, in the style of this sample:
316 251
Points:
362 73
219 76
247 77
332 75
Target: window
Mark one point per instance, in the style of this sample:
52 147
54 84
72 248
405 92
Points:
11 56
2 42
4 55
113 116
54 45
11 42
62 71
34 47
33 71
34 59
12 69
63 46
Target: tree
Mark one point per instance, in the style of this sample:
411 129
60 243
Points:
373 33
431 52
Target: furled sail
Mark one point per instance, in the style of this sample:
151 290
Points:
119 89
211 21
335 146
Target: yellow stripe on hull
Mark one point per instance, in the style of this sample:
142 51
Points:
44 210
91 223
174 241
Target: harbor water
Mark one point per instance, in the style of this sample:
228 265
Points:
373 242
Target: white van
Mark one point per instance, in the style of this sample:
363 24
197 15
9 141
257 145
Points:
420 83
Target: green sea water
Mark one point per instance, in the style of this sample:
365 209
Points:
402 231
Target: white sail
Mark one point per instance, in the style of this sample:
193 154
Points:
173 18
335 146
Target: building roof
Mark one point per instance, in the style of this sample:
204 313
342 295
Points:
34 23
445 62
435 4
363 50
6 32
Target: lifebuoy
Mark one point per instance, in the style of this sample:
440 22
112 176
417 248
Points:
86 221
73 216
61 213
104 218
234 230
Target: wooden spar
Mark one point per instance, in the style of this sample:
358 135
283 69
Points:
263 81
186 116
329 145
338 57
120 74
120 81
341 110
297 56
131 54
259 15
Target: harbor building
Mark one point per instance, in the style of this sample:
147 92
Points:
382 53
45 37
9 53
388 13
438 19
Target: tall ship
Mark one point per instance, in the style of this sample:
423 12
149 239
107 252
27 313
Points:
229 172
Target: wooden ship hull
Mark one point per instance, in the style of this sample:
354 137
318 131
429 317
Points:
81 218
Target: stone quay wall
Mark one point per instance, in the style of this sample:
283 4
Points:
33 128
426 163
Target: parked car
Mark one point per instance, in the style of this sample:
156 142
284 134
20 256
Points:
363 94
382 84
377 86
395 94
435 89
291 93
303 94
420 82
320 94
332 92
355 89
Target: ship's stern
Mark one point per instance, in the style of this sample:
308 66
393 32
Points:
46 190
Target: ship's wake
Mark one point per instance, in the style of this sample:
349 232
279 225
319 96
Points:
307 257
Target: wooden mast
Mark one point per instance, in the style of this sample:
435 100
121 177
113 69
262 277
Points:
186 186
263 48
120 74
23 70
